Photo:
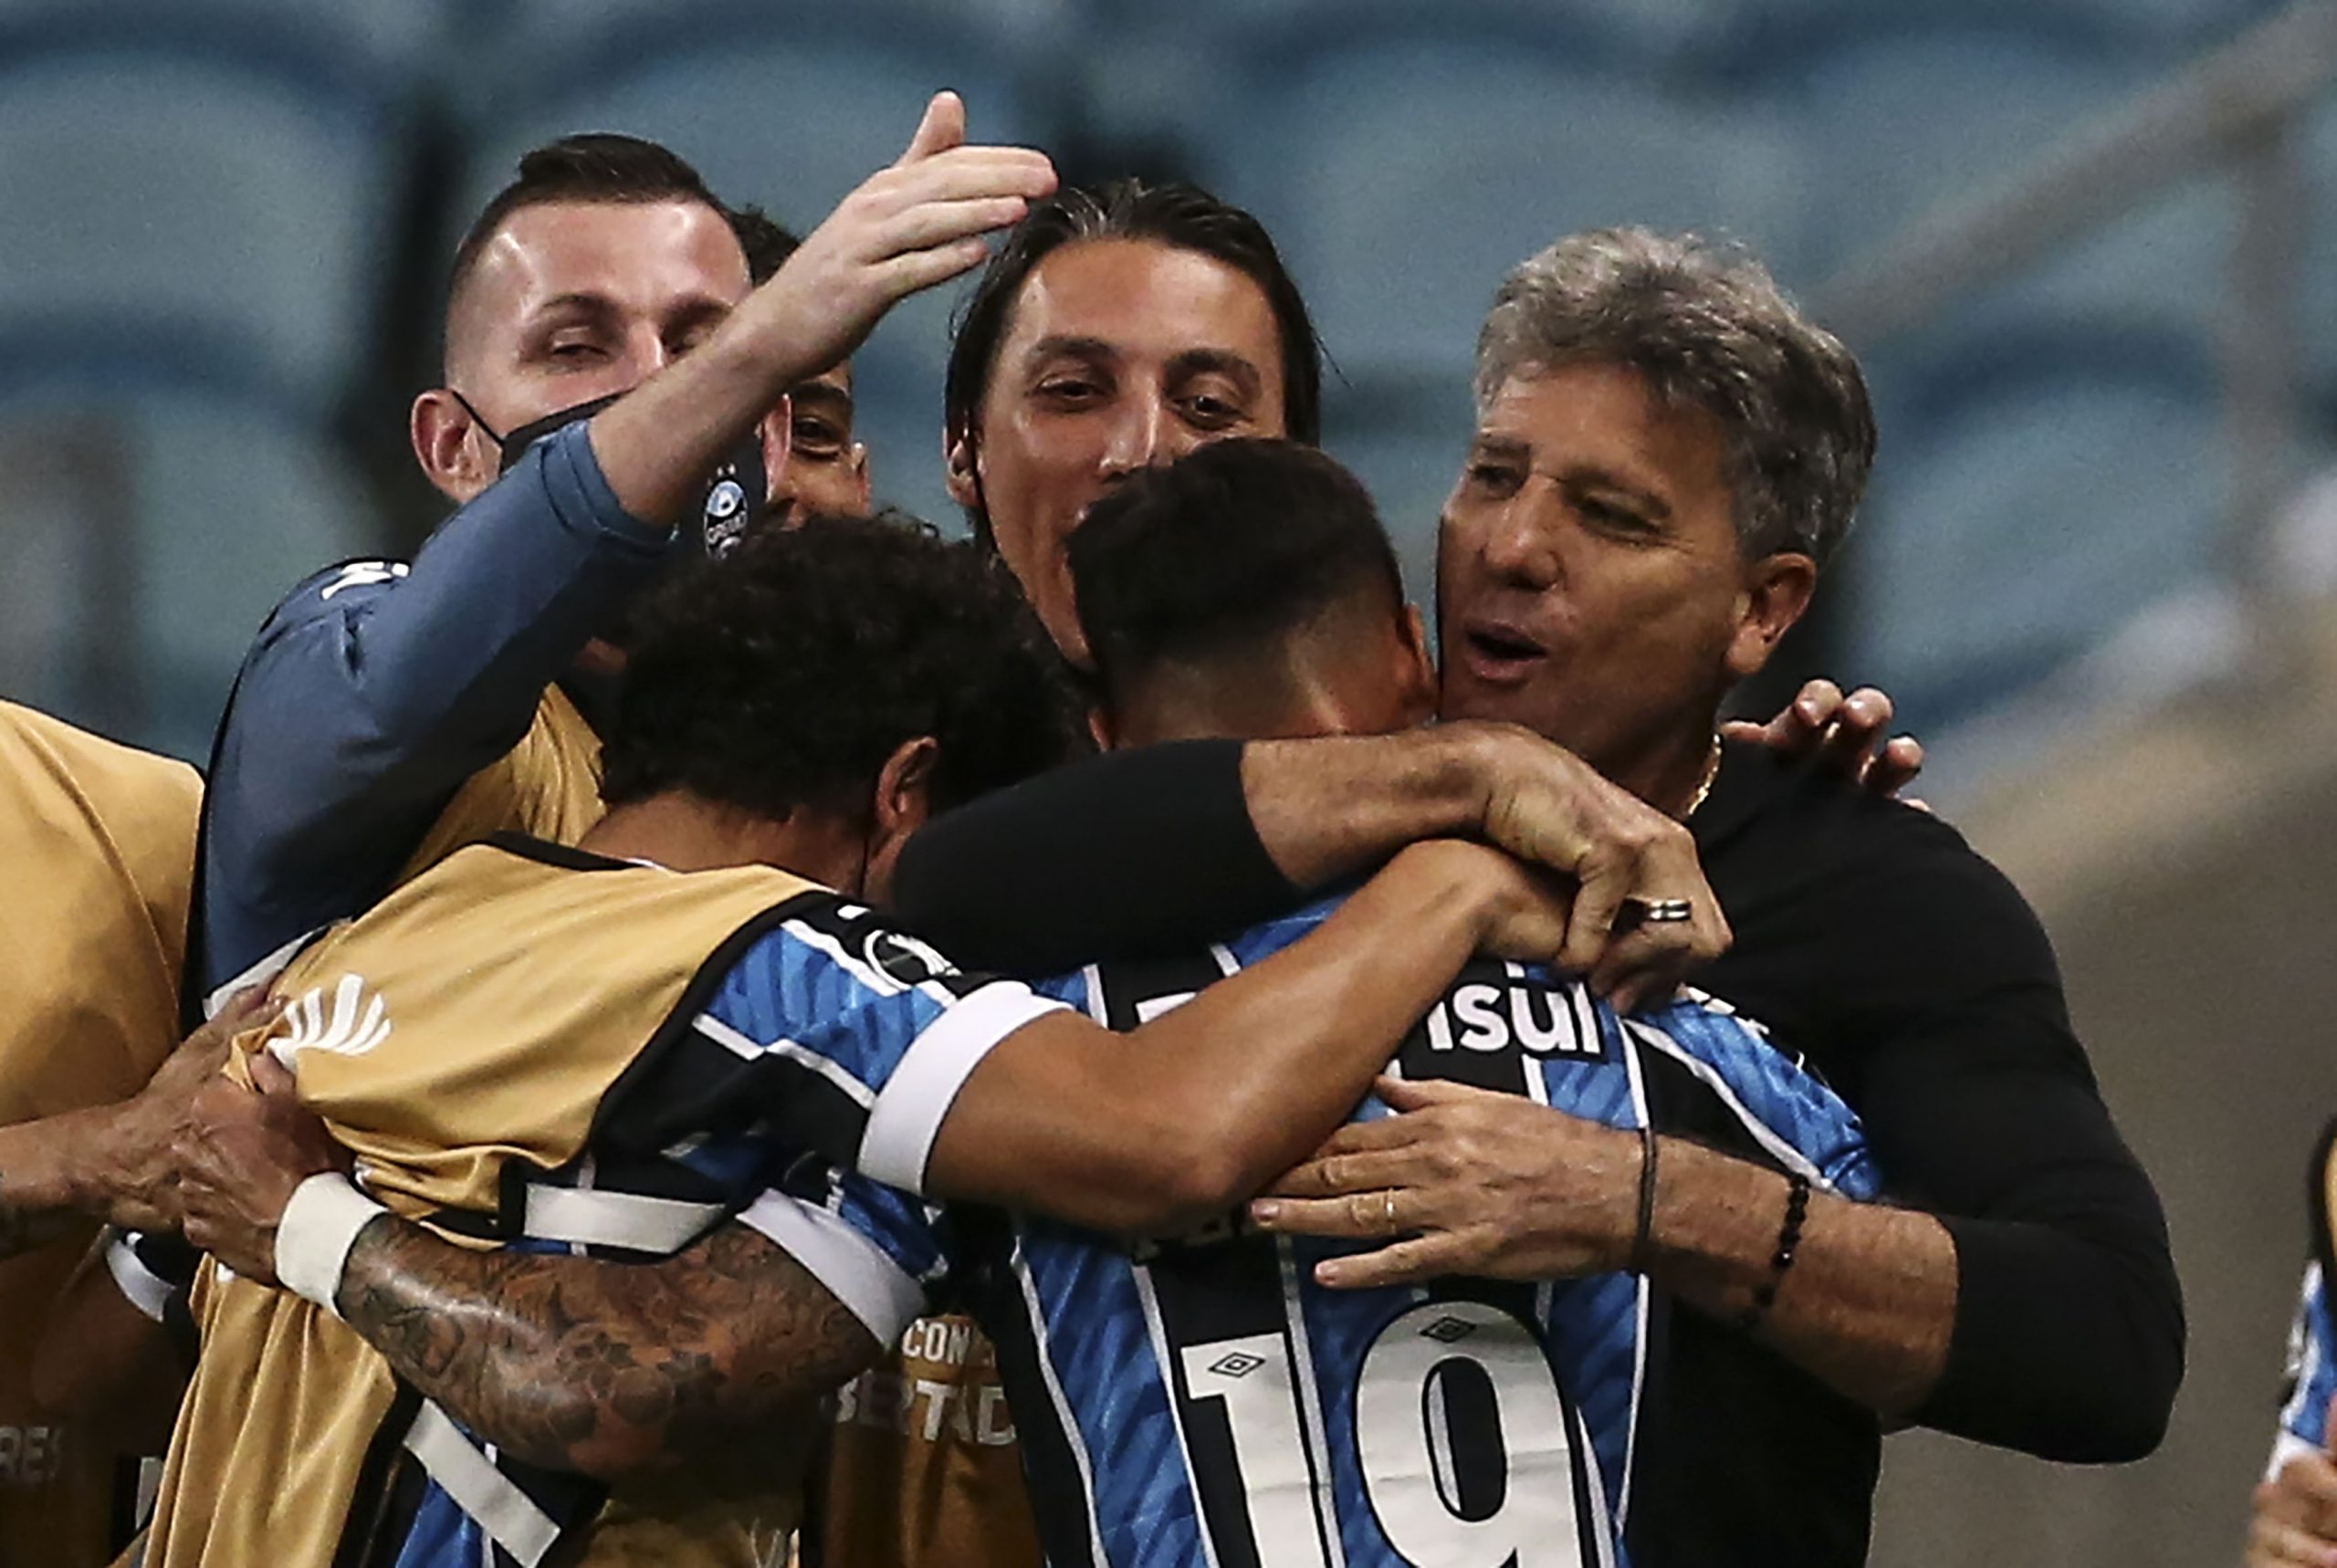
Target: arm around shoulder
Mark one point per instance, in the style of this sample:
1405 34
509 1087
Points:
1189 1116
1982 1110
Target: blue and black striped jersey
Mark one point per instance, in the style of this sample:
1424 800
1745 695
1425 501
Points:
1200 1400
2312 1340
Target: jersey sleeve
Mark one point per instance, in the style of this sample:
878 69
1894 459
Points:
2312 1340
858 1038
2312 1380
1786 1109
376 688
874 1249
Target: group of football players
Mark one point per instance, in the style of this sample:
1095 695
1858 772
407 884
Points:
722 1022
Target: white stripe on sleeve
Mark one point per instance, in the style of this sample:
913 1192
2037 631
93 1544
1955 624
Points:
909 1112
856 1272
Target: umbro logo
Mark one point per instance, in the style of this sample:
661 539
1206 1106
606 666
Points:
351 1025
1240 1364
1448 1329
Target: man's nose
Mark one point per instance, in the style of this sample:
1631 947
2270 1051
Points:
645 353
1141 438
1521 547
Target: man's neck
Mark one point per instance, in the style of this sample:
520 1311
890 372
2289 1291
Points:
1672 775
1265 699
682 831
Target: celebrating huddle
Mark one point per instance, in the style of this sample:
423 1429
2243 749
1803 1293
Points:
1375 1104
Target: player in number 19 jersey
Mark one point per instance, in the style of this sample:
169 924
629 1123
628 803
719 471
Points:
1200 1400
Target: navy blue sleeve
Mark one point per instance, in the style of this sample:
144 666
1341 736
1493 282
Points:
374 690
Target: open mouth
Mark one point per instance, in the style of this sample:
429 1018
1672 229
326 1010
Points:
1497 651
1501 643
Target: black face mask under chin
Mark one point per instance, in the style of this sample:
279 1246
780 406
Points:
732 498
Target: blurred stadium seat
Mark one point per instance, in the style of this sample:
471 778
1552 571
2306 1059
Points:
778 106
410 36
1154 76
2034 492
1407 159
2166 262
2168 29
182 174
154 511
2316 272
896 404
1898 107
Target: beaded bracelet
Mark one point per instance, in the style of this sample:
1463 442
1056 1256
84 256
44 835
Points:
1764 1294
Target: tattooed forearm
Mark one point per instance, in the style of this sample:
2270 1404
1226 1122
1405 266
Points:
607 1368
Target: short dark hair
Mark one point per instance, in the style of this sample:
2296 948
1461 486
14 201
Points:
1181 216
600 166
786 672
1236 544
767 242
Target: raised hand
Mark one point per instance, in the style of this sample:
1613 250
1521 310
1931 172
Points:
1846 733
911 225
915 224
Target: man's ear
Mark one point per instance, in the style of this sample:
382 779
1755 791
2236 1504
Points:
902 804
1776 592
1416 672
858 459
903 784
455 456
962 467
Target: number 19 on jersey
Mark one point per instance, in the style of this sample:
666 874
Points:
1468 1453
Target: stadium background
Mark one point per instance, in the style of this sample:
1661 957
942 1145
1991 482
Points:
2087 249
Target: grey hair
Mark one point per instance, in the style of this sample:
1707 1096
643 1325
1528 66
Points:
1708 328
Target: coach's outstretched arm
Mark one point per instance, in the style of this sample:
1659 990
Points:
1221 834
375 691
2032 1302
